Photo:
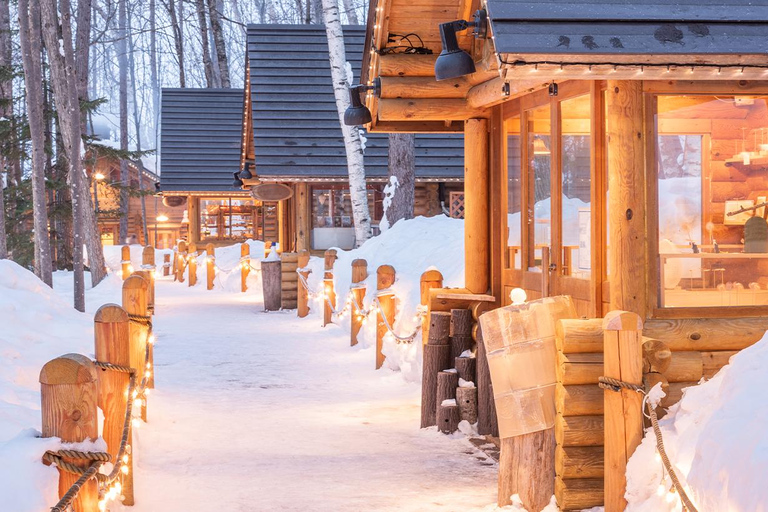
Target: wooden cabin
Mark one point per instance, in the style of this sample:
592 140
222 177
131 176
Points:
616 152
284 128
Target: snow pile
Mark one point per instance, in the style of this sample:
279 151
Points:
716 438
411 247
113 257
37 325
229 270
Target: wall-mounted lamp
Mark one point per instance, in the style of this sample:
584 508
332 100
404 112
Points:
162 218
237 183
357 113
245 174
98 176
454 62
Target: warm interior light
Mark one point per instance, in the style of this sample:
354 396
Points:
162 218
98 176
539 147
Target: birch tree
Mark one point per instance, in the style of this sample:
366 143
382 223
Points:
402 171
6 109
352 143
219 43
30 41
122 64
64 82
203 26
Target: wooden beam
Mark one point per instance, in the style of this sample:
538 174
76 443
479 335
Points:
626 208
401 64
418 127
428 110
476 196
492 92
423 87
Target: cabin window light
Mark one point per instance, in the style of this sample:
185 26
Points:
454 62
357 113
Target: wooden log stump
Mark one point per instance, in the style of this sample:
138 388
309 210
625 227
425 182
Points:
439 328
385 278
447 382
487 423
112 345
466 398
461 332
328 290
181 262
527 468
192 265
245 266
125 262
466 366
448 417
656 356
148 265
69 398
210 266
135 303
429 279
623 409
436 359
166 264
271 275
356 317
302 306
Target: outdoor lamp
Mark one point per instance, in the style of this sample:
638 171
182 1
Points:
237 183
245 174
454 62
357 113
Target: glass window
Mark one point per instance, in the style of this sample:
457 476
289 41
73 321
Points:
226 219
712 159
539 190
576 186
514 193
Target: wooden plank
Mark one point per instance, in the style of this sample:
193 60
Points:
707 334
713 361
423 87
579 336
581 400
476 200
685 367
578 493
579 461
401 64
579 430
428 110
577 368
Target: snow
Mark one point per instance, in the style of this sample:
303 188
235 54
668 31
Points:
715 437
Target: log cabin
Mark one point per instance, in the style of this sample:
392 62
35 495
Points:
280 143
615 152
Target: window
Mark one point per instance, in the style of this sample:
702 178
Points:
332 220
712 164
226 219
540 192
514 193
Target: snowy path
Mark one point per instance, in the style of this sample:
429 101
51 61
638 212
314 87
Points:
263 412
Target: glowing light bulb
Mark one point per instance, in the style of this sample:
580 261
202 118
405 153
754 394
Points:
125 458
137 402
136 423
102 505
125 470
151 339
518 296
135 393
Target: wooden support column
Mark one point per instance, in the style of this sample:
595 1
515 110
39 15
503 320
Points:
69 396
210 266
476 201
282 234
112 345
148 272
626 201
328 291
303 216
245 265
181 261
194 218
135 303
302 306
359 275
385 278
429 279
166 264
192 264
125 261
623 360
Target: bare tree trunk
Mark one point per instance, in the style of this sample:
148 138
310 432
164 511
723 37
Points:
218 39
402 177
178 40
349 8
64 81
354 148
30 39
122 64
6 109
137 128
203 26
153 70
238 16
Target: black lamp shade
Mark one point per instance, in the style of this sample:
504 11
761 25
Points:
452 62
237 183
245 174
357 113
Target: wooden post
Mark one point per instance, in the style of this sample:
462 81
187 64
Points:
271 281
429 279
289 280
447 382
487 423
626 202
437 357
210 266
623 360
302 306
330 294
166 264
192 265
245 266
135 303
181 261
174 262
466 368
385 278
476 201
125 261
448 417
303 216
69 398
545 262
112 345
359 274
148 268
461 332
466 398
527 468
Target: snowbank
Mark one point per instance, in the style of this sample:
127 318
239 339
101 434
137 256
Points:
716 438
411 247
113 256
228 269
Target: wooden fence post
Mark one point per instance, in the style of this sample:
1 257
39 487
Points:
210 265
622 360
69 397
302 305
328 291
437 357
289 280
135 303
112 344
429 279
148 272
181 261
385 278
271 282
245 265
192 259
125 261
166 264
359 275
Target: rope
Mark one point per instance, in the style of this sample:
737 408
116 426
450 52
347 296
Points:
617 385
71 494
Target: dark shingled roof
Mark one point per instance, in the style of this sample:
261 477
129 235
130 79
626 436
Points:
295 123
200 138
680 30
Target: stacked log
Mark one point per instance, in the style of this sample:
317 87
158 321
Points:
487 423
271 283
289 289
437 357
461 332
